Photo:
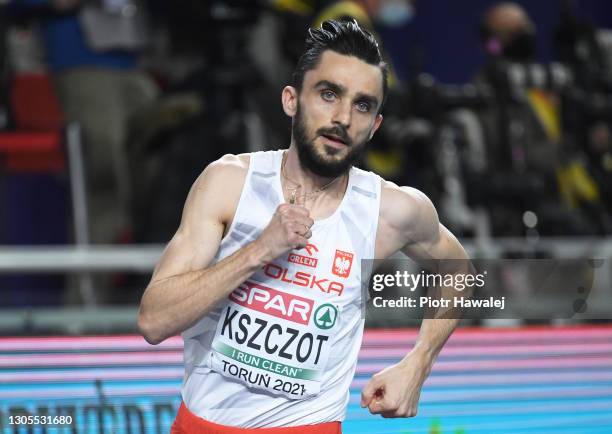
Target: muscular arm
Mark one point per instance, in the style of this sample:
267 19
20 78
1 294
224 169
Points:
409 223
427 239
182 288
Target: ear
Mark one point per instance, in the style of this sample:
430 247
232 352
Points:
377 122
289 99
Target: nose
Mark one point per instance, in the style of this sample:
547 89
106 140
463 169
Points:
342 115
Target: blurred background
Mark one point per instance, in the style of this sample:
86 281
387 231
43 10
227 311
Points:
109 109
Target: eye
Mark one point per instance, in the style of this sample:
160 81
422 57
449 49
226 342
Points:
328 95
363 107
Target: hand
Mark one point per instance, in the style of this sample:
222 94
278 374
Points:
395 391
289 229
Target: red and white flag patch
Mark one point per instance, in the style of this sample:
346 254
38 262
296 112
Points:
343 261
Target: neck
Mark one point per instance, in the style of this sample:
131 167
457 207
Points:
308 180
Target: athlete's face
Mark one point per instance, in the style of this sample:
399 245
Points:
335 114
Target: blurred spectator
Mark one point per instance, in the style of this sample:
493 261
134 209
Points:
91 48
507 31
4 97
388 13
33 187
587 109
526 150
213 106
599 153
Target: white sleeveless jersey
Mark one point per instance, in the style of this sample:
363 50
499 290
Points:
281 350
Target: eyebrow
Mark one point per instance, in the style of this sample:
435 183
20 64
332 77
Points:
338 88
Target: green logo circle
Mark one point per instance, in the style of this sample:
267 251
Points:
325 316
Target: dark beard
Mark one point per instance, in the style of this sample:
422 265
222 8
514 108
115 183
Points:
312 161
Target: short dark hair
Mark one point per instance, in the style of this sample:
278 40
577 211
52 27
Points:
343 37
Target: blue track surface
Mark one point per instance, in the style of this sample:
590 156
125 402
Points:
531 380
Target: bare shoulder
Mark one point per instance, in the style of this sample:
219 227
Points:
217 189
406 216
226 167
407 208
209 208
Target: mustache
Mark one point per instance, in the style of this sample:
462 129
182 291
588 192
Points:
336 131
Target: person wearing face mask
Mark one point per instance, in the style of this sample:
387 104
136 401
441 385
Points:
526 149
507 31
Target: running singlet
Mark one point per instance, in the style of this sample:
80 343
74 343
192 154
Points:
281 350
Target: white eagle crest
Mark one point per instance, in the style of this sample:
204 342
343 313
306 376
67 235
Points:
342 264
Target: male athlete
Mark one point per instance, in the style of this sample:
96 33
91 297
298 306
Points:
262 277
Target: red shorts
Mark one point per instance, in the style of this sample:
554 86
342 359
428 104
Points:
188 423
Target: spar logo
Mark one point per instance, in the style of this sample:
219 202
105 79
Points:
276 303
343 261
325 316
309 261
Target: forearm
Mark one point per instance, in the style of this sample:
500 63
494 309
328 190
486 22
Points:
439 323
433 335
172 305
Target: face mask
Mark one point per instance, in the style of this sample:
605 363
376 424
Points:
521 48
394 13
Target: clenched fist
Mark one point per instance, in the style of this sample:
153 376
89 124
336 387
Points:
395 391
289 229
